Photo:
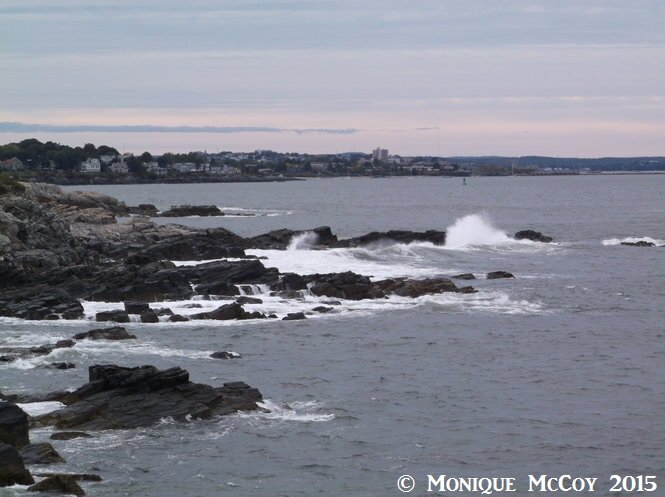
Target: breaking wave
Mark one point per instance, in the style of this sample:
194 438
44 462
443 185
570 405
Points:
633 239
303 241
474 230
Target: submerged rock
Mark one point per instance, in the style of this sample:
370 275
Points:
120 398
495 275
640 243
225 354
294 316
534 236
69 435
12 468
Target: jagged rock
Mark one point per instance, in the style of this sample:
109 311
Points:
192 210
69 435
39 304
114 333
148 282
495 275
248 300
64 344
136 307
465 276
113 316
294 316
534 236
289 281
13 425
59 484
40 453
221 277
12 468
149 316
346 285
120 398
177 318
225 354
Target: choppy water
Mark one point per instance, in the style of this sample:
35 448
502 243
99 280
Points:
560 370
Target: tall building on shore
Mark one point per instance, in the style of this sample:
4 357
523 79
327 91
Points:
380 154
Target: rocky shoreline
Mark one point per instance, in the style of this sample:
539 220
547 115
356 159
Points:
60 248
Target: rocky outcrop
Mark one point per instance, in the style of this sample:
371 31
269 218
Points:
395 236
496 275
223 277
226 312
354 286
58 484
40 453
417 288
12 468
294 316
13 425
281 239
192 210
534 236
120 398
113 333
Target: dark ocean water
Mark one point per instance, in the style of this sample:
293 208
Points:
560 370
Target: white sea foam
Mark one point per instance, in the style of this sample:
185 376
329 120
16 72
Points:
39 408
633 239
303 241
474 230
300 412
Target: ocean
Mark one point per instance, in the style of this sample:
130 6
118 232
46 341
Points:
560 370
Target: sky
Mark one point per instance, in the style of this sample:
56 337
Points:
582 78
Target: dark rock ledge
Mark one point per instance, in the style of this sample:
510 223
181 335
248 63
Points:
120 398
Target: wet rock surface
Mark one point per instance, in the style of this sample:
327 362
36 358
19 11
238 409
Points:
12 467
40 453
534 236
58 484
13 425
120 398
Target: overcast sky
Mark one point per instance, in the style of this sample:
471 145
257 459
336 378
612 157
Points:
464 77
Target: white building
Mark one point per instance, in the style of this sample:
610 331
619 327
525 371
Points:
380 154
91 166
119 167
184 167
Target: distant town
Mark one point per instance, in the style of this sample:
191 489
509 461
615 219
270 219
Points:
32 160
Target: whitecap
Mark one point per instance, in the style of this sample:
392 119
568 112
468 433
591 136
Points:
633 239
